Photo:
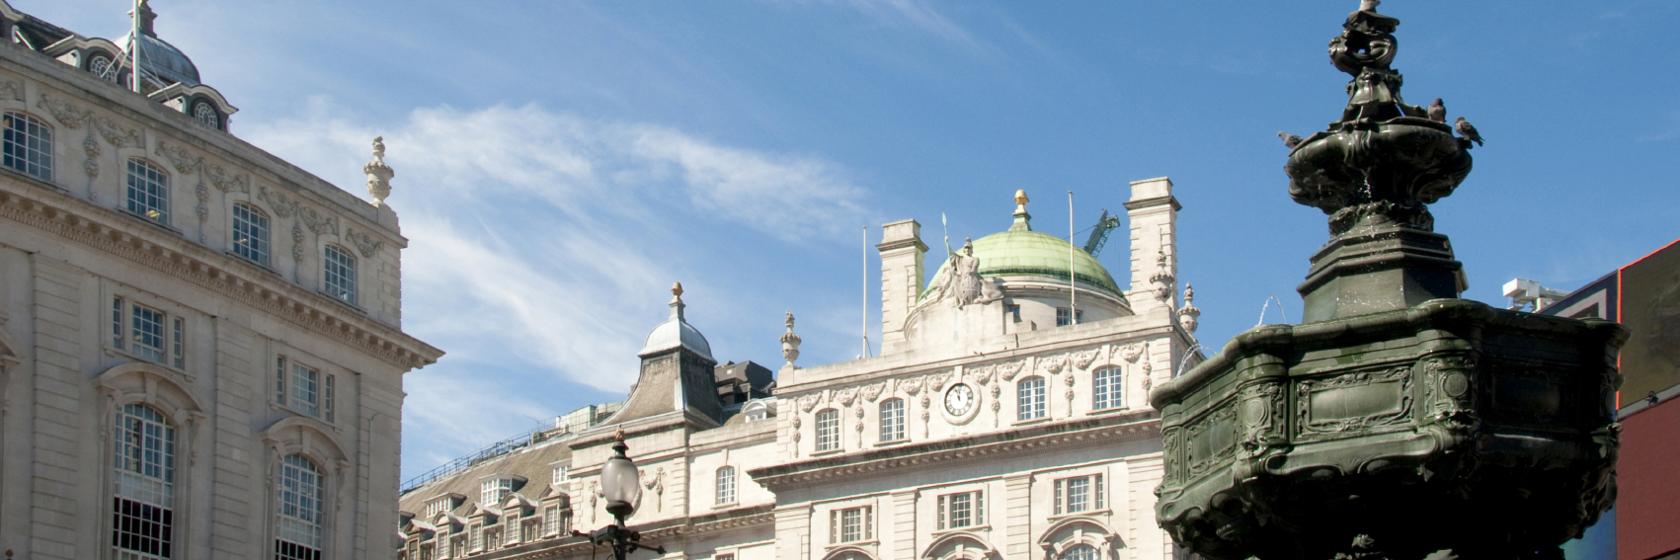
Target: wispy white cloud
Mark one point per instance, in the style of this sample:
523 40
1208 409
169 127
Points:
541 242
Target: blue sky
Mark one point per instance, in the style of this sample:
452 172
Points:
560 163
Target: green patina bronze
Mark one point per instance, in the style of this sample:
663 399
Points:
1020 251
1398 421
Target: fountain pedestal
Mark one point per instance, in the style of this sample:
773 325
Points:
1398 420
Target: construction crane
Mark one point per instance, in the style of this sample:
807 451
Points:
1099 232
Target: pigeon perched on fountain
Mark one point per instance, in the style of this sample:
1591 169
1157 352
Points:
1438 111
1468 131
1289 140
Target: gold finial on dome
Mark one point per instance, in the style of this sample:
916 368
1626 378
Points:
676 289
1022 218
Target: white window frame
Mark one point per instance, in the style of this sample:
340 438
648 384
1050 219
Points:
251 228
827 425
27 145
510 538
167 346
961 510
492 491
438 505
147 191
144 470
891 414
558 475
338 274
1079 494
1108 388
299 528
553 521
305 389
1031 398
1084 551
725 485
851 524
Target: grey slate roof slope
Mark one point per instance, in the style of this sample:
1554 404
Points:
534 464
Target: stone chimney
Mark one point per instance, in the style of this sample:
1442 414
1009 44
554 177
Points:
902 256
1152 213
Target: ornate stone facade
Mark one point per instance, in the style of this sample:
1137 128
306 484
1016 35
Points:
168 352
999 422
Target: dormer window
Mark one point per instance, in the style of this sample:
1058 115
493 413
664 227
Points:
492 491
437 506
100 66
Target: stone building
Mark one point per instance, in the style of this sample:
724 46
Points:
1001 420
201 351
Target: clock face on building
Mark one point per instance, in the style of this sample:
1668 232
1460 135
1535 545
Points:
959 399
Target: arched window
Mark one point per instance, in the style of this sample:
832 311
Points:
1105 389
206 114
892 419
27 146
726 485
828 430
1079 552
148 191
250 233
1029 398
100 66
301 495
143 516
339 274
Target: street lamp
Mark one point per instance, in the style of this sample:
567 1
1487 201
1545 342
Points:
621 485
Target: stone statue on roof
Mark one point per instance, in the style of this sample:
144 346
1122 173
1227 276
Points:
963 283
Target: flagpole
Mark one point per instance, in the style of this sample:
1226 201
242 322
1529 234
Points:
1073 289
864 323
134 46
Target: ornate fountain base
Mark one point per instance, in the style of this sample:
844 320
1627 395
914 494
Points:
1396 434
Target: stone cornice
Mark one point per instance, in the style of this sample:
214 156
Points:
179 127
48 209
656 533
1130 425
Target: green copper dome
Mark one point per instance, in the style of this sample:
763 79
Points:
1022 251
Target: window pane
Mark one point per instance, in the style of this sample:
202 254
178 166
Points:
250 234
146 332
892 420
27 146
1105 389
1030 403
148 191
143 523
339 278
299 510
828 430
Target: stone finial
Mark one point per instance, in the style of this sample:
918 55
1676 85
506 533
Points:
1188 315
378 173
1163 279
147 16
790 343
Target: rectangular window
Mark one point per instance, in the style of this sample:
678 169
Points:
117 337
1064 317
477 533
559 475
27 146
250 234
851 524
280 380
457 547
146 328
1105 389
828 430
1030 401
892 420
177 343
437 506
530 531
327 400
491 492
964 509
306 389
1079 494
148 191
339 278
512 530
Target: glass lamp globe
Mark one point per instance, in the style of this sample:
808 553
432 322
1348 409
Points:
621 484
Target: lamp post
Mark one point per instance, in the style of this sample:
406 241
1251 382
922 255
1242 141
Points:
622 487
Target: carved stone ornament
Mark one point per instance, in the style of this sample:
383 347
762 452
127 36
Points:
980 374
913 386
90 148
1083 358
282 205
366 244
1132 351
809 402
318 222
846 396
63 111
378 173
1049 365
11 90
1008 370
872 391
297 242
